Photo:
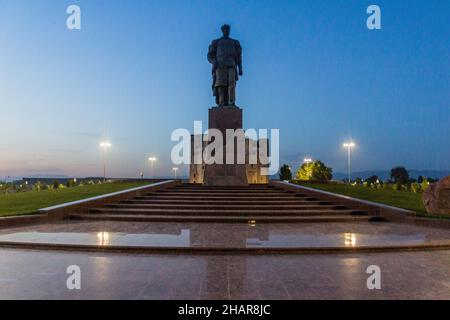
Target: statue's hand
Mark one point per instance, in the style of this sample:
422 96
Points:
240 72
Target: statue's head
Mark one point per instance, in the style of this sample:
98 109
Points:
226 30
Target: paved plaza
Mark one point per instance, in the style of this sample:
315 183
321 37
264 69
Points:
27 274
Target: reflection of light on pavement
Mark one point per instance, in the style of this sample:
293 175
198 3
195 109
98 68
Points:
350 239
103 238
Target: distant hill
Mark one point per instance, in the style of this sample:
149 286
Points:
49 176
385 174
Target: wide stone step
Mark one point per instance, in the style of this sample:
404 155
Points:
262 191
225 202
271 207
253 186
214 218
225 212
243 219
181 197
222 194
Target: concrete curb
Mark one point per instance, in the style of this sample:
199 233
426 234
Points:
440 245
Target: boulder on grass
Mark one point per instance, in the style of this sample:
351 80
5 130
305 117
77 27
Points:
436 197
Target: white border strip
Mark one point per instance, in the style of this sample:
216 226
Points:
60 206
377 204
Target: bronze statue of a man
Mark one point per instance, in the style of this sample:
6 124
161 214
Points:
225 55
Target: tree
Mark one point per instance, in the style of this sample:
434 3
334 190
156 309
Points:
285 172
316 170
416 187
400 175
37 186
372 179
305 171
70 183
424 184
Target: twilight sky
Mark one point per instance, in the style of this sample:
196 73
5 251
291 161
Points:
137 70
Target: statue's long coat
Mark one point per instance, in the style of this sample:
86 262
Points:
225 54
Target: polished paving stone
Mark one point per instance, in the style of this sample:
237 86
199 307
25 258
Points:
28 274
227 235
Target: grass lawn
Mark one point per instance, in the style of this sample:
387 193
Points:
400 199
29 202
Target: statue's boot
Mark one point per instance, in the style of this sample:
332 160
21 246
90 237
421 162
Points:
232 95
222 96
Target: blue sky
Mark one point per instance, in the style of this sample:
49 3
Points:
137 70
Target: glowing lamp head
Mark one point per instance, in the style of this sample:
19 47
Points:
349 144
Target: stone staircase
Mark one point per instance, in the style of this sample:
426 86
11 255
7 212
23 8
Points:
249 204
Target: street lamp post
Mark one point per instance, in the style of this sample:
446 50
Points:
152 160
175 169
105 145
349 146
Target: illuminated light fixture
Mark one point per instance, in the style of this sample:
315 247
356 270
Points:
105 145
349 145
350 239
152 160
103 238
175 169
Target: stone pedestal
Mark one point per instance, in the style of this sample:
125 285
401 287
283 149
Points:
225 175
223 118
237 174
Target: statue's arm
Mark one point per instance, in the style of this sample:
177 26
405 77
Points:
212 53
239 57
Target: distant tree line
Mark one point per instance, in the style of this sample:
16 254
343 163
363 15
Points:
9 187
318 171
399 180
